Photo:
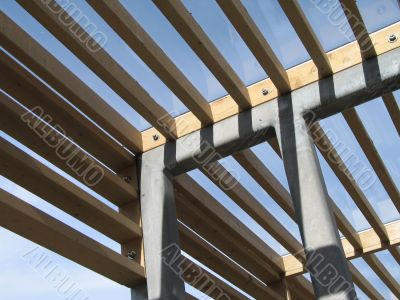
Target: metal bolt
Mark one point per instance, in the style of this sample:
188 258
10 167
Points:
265 92
127 179
132 254
156 137
392 38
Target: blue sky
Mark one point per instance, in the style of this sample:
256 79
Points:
19 281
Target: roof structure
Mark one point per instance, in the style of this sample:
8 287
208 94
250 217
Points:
156 134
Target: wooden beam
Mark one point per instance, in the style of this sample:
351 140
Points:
393 110
203 200
53 72
299 76
301 288
364 284
34 176
31 92
132 210
370 241
208 283
307 35
254 39
137 38
33 224
337 165
246 201
197 39
101 63
221 230
395 251
383 274
35 134
367 145
211 257
358 27
254 166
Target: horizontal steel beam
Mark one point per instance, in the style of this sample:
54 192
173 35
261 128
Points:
333 94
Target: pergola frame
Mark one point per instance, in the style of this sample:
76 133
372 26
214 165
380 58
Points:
161 209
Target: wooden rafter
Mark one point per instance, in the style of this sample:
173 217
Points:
245 200
102 64
137 38
337 165
383 274
34 176
393 110
254 39
299 76
208 255
358 27
370 241
364 140
32 92
201 44
39 227
111 186
53 72
307 35
364 284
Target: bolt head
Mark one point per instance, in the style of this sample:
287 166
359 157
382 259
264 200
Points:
156 137
265 92
392 38
132 254
127 179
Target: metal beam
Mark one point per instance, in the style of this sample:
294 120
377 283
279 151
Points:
326 97
160 229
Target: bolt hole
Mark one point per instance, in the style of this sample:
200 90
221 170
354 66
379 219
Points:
265 92
156 137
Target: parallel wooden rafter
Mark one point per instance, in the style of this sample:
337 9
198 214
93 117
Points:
393 110
137 38
370 241
204 202
364 284
358 27
34 176
337 165
245 200
201 44
209 232
383 274
214 286
37 226
17 42
299 76
395 251
307 35
253 165
221 264
112 187
254 39
101 63
367 145
32 92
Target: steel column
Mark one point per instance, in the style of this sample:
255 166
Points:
325 256
160 228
